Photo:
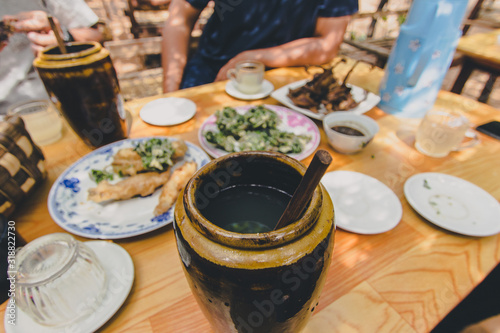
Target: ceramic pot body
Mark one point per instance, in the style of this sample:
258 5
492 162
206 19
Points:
83 85
254 282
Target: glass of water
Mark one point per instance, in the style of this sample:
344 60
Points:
442 131
41 119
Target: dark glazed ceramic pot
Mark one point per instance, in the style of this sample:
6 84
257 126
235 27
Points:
83 85
260 282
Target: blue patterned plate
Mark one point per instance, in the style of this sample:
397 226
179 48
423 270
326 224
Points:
70 209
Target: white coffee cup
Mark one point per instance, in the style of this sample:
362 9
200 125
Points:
247 76
442 131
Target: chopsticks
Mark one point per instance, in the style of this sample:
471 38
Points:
60 41
320 162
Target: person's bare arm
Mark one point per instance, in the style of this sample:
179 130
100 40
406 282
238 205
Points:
176 34
39 32
489 325
316 50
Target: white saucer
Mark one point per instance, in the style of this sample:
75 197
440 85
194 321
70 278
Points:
453 204
266 89
120 270
168 111
362 204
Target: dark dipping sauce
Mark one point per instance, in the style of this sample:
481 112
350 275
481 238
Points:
246 208
347 130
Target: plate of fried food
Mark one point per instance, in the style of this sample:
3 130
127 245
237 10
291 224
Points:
124 189
259 128
324 94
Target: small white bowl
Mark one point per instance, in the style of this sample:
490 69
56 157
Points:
349 144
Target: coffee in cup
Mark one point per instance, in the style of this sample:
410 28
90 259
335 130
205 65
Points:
247 76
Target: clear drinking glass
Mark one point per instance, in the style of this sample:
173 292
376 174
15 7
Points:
41 120
59 280
442 131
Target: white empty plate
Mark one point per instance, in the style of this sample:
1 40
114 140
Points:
265 90
168 111
453 204
362 204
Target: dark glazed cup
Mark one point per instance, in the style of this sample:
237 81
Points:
261 282
83 85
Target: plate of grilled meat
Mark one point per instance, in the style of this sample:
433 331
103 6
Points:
324 94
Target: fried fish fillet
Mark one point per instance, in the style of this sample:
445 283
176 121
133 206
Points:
128 162
141 184
180 149
173 187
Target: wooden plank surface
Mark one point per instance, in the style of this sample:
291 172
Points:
482 47
404 280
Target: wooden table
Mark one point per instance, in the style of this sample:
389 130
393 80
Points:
481 51
404 280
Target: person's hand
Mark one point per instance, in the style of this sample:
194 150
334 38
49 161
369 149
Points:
39 41
30 21
37 27
243 56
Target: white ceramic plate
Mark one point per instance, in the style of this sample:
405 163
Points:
291 121
266 89
453 204
120 271
362 204
69 207
358 94
168 111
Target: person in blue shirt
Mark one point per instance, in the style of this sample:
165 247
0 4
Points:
278 33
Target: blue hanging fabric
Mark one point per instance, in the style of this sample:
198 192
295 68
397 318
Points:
421 57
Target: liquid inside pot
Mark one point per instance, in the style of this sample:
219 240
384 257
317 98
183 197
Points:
246 208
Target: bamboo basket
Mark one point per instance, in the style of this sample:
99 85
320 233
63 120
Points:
22 164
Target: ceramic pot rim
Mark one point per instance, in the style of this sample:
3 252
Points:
257 240
92 54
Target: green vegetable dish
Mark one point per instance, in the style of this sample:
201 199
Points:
100 175
256 129
156 154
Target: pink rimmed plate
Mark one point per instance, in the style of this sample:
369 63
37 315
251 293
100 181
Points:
291 121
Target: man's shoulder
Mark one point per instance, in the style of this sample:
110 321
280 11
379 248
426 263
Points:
335 8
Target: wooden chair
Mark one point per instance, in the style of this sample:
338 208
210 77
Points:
147 17
145 83
380 48
138 66
484 14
